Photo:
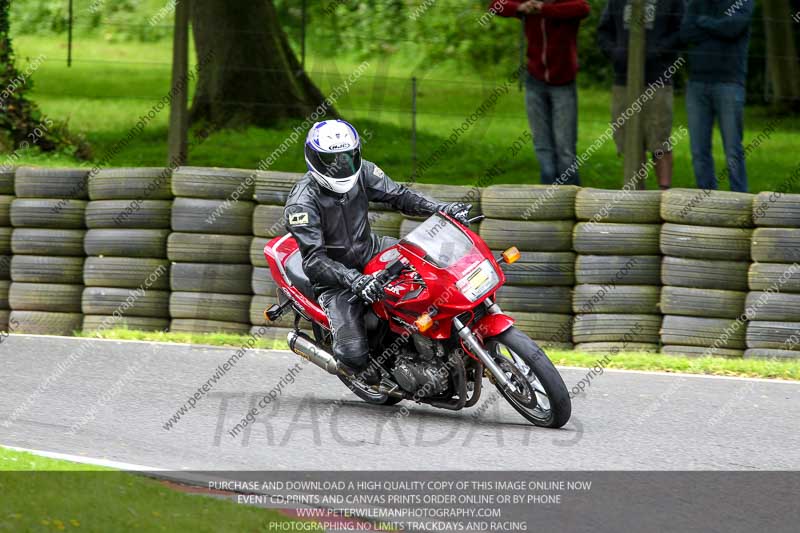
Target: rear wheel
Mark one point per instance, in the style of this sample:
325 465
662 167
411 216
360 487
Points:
367 394
539 392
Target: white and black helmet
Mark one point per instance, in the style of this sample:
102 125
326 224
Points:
333 155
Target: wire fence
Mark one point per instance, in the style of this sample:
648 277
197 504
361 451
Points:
414 100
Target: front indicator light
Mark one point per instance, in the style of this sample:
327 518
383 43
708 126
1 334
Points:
424 323
511 255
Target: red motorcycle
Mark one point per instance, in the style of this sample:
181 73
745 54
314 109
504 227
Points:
437 332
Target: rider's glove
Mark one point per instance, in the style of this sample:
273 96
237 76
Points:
368 289
459 211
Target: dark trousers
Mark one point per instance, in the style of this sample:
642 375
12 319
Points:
725 102
553 119
350 343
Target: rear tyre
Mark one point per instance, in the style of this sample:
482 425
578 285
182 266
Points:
208 248
151 183
213 183
6 180
367 394
47 213
536 236
542 398
34 182
273 187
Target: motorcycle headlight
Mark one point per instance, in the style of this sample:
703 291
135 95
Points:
478 281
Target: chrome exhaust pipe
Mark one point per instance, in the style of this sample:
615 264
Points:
306 348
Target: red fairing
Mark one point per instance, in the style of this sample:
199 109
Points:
492 325
278 251
444 259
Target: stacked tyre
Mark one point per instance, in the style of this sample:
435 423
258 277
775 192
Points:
47 242
212 219
617 271
773 303
706 247
126 272
6 197
271 191
538 220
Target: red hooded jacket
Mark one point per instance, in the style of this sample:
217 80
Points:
552 37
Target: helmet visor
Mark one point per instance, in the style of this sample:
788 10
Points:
336 165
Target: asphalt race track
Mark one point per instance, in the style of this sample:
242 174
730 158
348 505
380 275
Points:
112 400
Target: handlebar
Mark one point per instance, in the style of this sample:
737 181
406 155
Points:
385 277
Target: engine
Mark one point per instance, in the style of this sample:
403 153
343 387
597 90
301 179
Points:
422 373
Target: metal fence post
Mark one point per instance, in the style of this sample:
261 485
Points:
634 135
414 127
303 7
69 34
178 114
523 63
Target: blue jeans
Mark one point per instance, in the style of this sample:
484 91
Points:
725 102
553 119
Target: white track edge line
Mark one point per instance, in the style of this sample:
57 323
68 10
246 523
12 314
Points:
86 460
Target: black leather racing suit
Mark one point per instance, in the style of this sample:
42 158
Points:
336 242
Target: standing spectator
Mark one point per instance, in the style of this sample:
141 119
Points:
662 23
551 98
718 34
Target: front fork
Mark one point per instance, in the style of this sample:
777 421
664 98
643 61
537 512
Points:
474 344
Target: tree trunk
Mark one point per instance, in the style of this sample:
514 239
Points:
252 77
782 59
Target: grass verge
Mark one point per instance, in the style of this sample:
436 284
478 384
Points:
718 366
12 460
41 494
654 362
275 342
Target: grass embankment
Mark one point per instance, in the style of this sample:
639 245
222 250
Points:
719 366
209 339
41 494
111 85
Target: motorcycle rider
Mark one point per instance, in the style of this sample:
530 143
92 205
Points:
327 214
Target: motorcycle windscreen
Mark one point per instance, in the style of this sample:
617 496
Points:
447 246
443 243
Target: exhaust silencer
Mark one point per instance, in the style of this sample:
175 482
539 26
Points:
303 346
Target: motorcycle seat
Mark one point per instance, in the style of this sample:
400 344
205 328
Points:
294 271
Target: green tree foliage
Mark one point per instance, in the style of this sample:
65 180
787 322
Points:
444 30
22 124
114 20
441 30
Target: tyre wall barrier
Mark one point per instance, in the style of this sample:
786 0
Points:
213 211
48 216
773 303
685 271
271 191
539 221
706 246
126 271
6 197
617 270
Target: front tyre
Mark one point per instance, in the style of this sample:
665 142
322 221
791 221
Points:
539 392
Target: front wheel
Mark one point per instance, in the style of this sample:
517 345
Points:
539 392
